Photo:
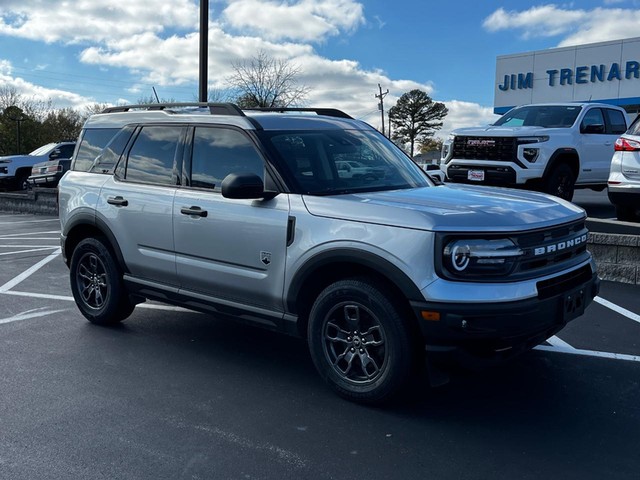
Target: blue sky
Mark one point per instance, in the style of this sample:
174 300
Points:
77 53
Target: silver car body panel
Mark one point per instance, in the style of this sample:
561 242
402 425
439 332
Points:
449 208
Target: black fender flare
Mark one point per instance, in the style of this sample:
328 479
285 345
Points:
346 255
91 220
553 160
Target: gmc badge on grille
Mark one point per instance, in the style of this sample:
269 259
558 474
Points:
481 143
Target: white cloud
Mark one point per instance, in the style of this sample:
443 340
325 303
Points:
465 114
545 20
59 98
577 26
304 20
89 20
158 43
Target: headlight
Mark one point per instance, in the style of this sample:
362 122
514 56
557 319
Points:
535 139
472 257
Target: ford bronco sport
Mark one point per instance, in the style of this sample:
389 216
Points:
245 214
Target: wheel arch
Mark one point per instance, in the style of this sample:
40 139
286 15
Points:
87 226
563 155
330 266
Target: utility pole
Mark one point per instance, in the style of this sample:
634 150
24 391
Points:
204 49
381 104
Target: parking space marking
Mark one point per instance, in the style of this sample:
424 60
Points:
618 309
29 221
33 313
589 353
41 249
8 236
30 271
558 342
66 298
30 238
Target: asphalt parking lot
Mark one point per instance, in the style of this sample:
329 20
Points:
181 395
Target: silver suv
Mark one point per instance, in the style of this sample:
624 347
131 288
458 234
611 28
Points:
245 214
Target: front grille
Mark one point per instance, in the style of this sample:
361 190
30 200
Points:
485 148
551 249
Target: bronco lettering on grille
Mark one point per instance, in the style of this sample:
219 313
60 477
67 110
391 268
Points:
558 247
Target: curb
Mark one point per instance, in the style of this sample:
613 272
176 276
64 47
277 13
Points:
39 201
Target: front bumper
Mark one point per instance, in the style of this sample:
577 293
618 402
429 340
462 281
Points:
476 334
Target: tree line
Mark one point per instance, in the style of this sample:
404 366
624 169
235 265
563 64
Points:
262 81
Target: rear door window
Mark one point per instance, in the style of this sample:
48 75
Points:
154 154
617 124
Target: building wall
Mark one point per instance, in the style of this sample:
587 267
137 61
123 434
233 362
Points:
606 72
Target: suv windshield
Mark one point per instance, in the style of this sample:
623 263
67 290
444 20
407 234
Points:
333 162
546 116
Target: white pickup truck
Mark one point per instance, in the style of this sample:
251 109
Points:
553 148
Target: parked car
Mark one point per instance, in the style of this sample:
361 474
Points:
16 169
49 173
554 148
245 215
623 186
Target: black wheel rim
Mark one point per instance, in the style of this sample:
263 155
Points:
91 278
564 185
354 343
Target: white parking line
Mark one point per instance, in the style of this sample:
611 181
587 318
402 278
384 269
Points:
29 246
558 342
41 249
618 309
29 221
66 298
34 313
31 238
33 233
589 353
30 271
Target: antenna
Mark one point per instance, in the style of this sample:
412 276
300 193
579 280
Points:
156 94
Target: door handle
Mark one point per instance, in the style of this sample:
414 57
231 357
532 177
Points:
197 211
117 201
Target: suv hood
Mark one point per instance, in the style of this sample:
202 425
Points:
501 131
449 208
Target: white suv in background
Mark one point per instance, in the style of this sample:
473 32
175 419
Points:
624 177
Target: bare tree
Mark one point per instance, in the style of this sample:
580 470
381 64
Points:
264 81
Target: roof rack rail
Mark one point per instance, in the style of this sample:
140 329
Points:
214 108
329 112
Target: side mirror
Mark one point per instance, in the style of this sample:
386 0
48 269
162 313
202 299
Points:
435 179
244 186
593 128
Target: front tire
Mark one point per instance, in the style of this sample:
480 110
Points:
560 182
96 283
359 341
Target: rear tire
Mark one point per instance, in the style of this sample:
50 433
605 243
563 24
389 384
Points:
626 213
96 283
560 181
359 341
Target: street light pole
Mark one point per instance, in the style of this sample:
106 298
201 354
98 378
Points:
204 50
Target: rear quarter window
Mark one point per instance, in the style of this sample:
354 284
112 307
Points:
92 141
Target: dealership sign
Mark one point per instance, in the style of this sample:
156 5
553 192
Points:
606 72
567 76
